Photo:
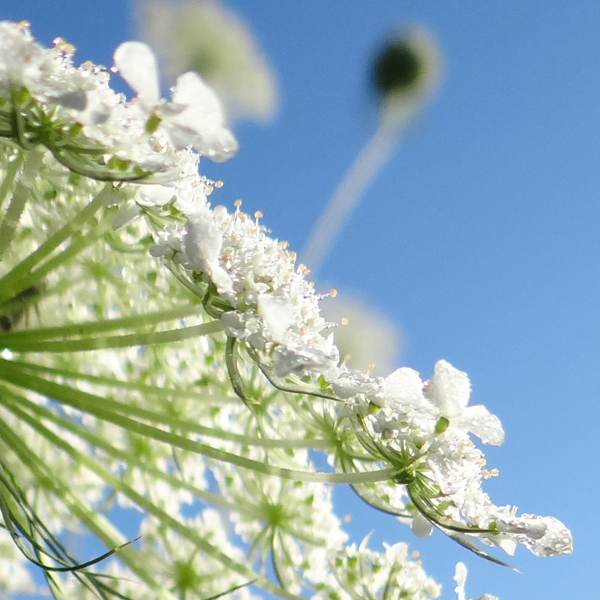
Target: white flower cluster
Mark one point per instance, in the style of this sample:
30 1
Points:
358 570
272 306
275 311
94 130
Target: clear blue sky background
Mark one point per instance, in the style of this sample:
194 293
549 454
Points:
480 238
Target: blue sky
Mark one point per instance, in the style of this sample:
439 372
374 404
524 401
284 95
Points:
480 237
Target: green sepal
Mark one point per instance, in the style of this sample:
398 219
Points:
441 425
152 123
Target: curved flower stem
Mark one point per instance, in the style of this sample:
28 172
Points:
294 390
51 547
347 194
114 341
237 383
290 389
93 170
17 279
165 519
96 405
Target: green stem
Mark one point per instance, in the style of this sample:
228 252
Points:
78 244
161 392
11 219
23 190
167 419
344 199
96 405
114 341
16 280
10 175
102 326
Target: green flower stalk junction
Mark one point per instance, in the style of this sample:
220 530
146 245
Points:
163 354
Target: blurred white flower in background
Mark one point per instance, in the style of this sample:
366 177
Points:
203 36
367 339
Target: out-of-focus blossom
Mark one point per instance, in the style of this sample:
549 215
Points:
207 37
367 339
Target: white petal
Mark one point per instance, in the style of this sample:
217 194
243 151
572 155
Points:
556 540
154 195
421 527
303 360
136 63
220 146
481 422
222 281
404 386
277 313
234 322
191 91
202 122
96 112
449 389
543 536
203 241
76 100
354 383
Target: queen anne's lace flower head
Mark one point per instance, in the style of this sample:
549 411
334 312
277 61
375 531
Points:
425 425
157 426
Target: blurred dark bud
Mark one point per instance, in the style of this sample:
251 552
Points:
406 71
397 69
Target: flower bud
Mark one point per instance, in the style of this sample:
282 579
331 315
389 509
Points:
406 70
